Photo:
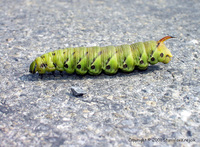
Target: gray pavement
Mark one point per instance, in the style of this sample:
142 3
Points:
156 107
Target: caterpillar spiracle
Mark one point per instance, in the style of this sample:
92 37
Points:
94 60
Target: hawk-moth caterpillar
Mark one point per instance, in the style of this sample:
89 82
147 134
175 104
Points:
94 60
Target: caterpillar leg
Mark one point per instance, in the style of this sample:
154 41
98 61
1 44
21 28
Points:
61 73
41 76
53 73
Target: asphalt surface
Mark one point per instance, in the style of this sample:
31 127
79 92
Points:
156 107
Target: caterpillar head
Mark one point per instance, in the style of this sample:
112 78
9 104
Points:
164 54
32 68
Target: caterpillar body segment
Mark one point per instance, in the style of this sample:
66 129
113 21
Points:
94 60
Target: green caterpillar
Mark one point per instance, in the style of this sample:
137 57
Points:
94 60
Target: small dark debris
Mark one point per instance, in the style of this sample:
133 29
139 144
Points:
189 133
76 91
195 55
4 109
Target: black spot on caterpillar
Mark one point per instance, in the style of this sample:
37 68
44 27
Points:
94 60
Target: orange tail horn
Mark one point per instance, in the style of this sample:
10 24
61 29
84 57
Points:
164 39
